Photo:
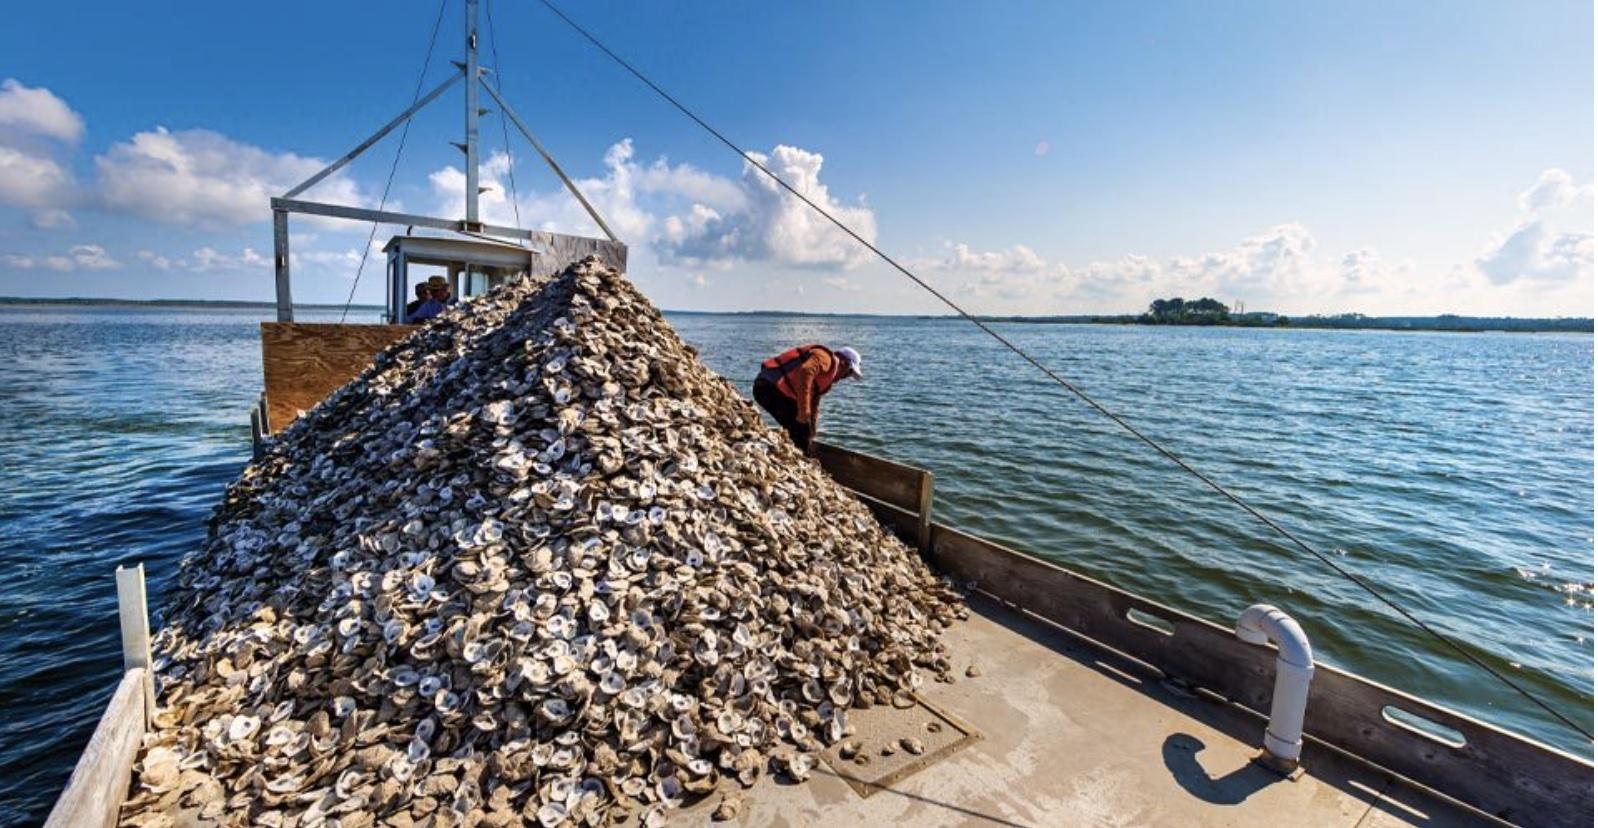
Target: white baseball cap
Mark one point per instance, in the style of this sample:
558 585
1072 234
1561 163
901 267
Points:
851 358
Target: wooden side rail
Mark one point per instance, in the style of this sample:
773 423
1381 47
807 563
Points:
99 783
900 495
1470 761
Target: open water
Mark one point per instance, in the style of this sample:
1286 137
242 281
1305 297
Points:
1453 470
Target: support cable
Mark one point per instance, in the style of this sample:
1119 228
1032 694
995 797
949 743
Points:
366 251
504 125
1067 385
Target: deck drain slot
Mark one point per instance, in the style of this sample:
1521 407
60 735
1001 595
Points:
1151 621
1422 726
938 732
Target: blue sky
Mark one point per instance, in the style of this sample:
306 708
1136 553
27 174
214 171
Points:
1026 157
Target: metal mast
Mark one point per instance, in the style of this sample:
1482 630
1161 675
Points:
472 112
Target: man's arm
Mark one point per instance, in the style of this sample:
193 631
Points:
803 382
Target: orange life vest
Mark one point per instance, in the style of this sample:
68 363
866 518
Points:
778 369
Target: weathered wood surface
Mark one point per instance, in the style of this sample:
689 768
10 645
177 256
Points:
893 483
1495 771
905 490
99 783
304 362
556 251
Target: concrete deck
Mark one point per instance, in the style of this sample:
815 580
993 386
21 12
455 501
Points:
1072 735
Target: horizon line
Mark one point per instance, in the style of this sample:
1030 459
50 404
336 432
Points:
267 303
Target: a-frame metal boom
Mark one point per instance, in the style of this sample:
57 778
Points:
472 74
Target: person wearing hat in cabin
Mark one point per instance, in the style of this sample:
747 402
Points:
438 299
441 290
791 384
422 295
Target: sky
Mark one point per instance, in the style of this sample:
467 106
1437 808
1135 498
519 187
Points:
1024 158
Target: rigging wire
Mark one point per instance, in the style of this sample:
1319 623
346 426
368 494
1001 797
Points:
504 128
366 251
1069 386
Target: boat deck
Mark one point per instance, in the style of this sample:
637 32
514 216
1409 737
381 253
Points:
1071 734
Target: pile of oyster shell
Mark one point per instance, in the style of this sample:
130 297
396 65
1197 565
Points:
538 564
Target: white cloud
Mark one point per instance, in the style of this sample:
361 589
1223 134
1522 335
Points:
1276 262
202 177
52 219
79 257
1537 249
685 215
36 112
1554 188
961 258
35 127
775 227
37 181
1275 266
1365 271
211 260
839 283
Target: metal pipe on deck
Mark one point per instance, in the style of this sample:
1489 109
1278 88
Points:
1295 666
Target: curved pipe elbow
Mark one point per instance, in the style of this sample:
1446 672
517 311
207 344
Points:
1264 623
1295 666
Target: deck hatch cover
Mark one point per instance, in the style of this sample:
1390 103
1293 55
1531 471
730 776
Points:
941 733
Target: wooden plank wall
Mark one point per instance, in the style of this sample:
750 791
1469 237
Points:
303 362
99 784
1495 771
905 491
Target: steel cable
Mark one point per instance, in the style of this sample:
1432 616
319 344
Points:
1066 384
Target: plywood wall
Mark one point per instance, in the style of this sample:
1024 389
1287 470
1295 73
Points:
303 362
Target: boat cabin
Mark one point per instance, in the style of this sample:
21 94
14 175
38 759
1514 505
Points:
303 362
472 266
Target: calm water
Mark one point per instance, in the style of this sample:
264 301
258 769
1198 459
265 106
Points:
1455 470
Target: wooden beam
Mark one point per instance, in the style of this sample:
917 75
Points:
99 783
894 483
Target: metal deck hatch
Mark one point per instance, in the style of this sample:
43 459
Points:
939 733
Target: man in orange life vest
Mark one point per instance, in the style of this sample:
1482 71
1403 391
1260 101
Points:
791 384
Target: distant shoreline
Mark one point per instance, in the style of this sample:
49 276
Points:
1443 322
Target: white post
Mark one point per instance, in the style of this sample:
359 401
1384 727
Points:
1295 666
135 617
